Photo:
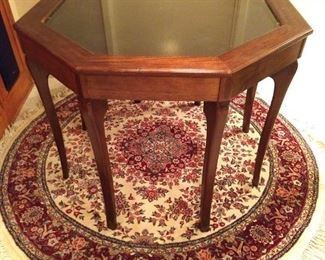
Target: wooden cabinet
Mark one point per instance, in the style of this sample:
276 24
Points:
15 80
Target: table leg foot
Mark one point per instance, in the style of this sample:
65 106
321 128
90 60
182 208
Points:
111 225
216 114
204 228
94 112
250 95
282 80
40 77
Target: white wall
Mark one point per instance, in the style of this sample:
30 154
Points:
304 104
20 7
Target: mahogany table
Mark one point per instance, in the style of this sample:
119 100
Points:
190 50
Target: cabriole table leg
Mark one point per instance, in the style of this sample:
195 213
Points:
40 77
216 114
282 80
94 112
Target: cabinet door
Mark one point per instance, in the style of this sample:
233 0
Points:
15 80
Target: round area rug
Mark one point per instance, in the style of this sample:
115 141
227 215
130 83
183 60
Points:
156 152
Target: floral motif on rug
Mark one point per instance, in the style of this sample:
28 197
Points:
156 154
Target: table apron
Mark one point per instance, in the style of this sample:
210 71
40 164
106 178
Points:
149 87
259 70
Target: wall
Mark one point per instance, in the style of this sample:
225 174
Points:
304 104
20 7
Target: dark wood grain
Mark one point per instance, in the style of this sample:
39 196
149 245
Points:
40 77
149 88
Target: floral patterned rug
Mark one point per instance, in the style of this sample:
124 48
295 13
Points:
156 151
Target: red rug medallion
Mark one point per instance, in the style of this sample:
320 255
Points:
156 151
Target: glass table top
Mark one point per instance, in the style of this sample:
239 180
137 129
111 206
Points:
162 27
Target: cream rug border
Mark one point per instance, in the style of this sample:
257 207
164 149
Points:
310 245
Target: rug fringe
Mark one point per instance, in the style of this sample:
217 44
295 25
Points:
8 247
3 253
316 247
